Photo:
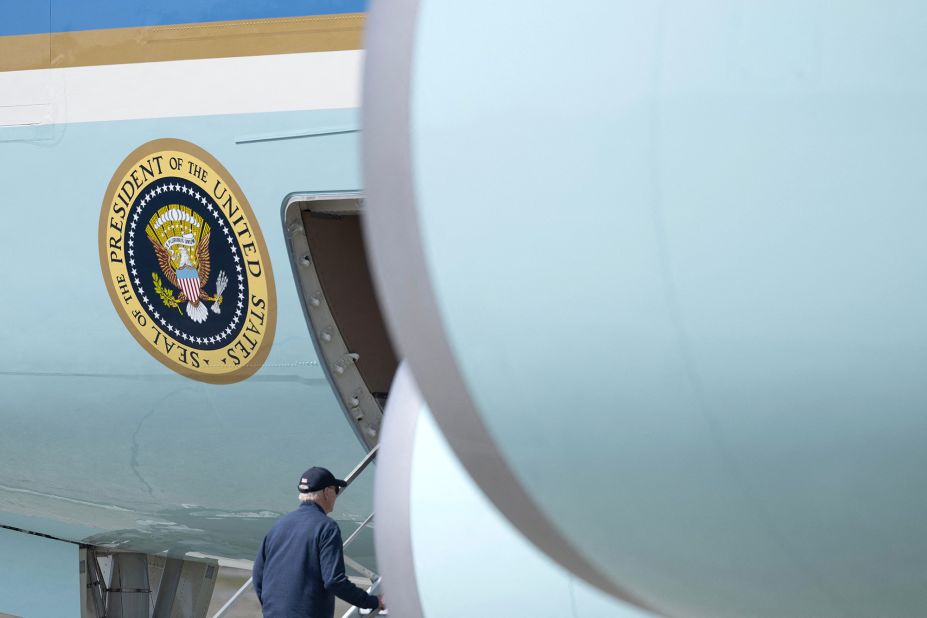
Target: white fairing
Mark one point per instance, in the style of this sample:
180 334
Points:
449 552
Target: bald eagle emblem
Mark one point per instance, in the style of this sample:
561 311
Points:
180 239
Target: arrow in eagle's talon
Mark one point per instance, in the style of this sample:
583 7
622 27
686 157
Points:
221 281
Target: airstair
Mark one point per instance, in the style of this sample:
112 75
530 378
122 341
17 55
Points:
349 562
332 274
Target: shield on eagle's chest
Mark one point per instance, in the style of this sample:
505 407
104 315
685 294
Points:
189 280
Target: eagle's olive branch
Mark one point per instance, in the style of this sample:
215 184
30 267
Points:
167 296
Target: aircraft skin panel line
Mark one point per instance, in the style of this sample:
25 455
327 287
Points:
72 95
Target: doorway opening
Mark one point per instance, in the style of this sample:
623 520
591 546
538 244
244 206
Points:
332 273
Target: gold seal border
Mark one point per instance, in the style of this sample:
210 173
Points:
131 160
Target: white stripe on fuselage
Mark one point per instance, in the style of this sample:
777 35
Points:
252 84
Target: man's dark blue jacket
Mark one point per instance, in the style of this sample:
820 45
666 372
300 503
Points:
300 568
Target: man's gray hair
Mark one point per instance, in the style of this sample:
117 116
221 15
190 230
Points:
312 496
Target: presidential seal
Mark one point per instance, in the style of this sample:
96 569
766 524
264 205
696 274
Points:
185 263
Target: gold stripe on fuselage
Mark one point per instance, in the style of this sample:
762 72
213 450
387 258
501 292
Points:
219 39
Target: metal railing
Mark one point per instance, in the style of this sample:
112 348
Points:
352 475
356 611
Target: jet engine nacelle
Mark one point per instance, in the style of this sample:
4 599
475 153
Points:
658 270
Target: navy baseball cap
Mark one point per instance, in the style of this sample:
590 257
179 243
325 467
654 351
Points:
316 479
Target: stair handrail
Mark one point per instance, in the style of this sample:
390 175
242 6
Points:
353 474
